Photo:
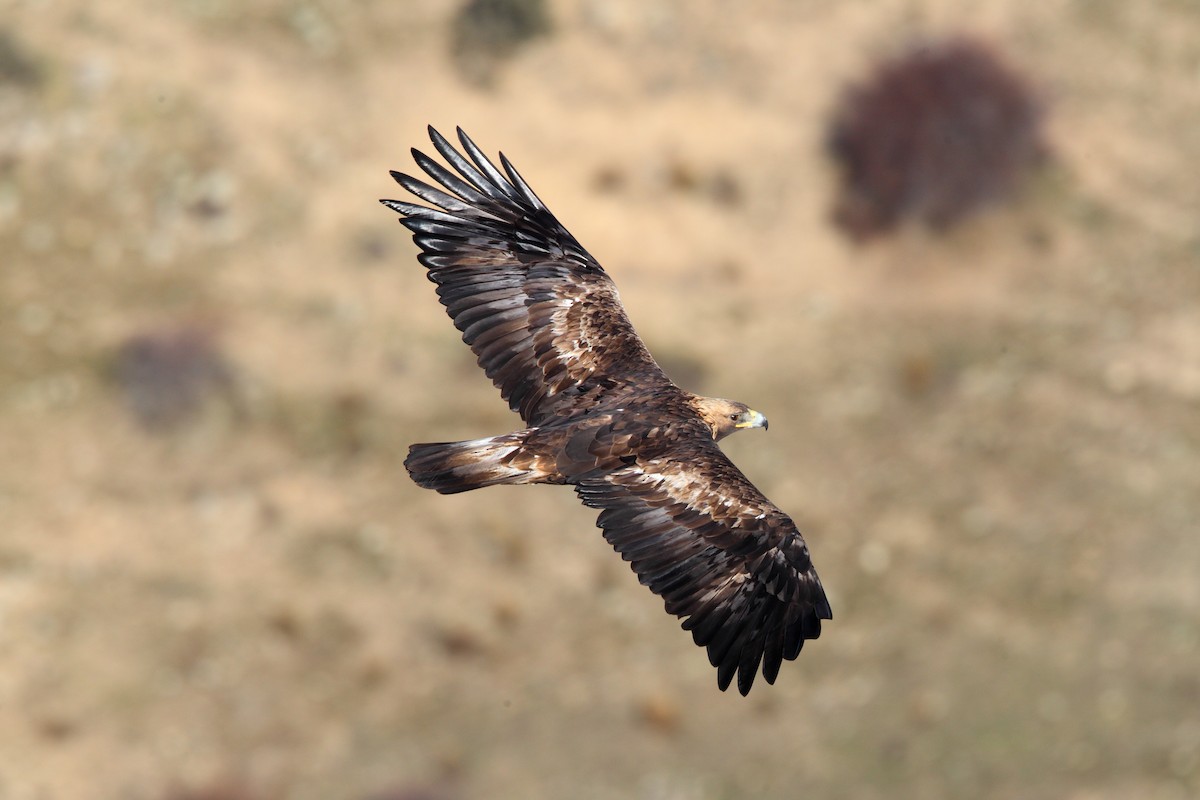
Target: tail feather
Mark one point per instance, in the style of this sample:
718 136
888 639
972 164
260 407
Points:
450 467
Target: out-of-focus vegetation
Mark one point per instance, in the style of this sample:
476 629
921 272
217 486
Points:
936 134
487 33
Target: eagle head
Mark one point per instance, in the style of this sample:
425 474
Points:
723 417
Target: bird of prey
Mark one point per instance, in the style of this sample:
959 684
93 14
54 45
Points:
544 320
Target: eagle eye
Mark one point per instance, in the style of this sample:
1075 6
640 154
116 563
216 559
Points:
734 417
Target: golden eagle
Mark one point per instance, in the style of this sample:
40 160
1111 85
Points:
546 324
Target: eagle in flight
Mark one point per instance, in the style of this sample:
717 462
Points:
546 324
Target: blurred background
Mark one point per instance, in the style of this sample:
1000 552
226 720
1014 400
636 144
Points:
951 249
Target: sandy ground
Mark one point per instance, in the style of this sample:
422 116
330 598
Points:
991 439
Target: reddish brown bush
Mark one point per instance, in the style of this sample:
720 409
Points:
933 135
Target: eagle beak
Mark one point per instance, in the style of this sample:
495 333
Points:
752 419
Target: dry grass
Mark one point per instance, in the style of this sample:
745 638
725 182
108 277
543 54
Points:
990 439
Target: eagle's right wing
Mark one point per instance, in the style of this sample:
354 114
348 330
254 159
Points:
541 315
722 556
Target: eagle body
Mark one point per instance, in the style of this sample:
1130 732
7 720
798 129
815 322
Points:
546 324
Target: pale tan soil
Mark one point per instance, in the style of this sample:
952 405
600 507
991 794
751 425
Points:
991 440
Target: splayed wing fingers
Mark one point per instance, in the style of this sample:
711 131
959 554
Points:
542 317
721 556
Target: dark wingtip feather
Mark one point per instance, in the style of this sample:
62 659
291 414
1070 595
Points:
773 655
487 168
725 672
751 657
824 611
520 184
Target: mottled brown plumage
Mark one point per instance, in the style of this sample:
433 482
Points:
546 324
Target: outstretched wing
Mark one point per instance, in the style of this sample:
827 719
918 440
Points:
721 556
542 317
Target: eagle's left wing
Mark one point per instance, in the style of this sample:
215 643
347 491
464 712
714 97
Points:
721 555
542 317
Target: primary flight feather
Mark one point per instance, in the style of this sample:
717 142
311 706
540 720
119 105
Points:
546 324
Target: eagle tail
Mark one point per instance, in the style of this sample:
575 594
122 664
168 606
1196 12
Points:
450 467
